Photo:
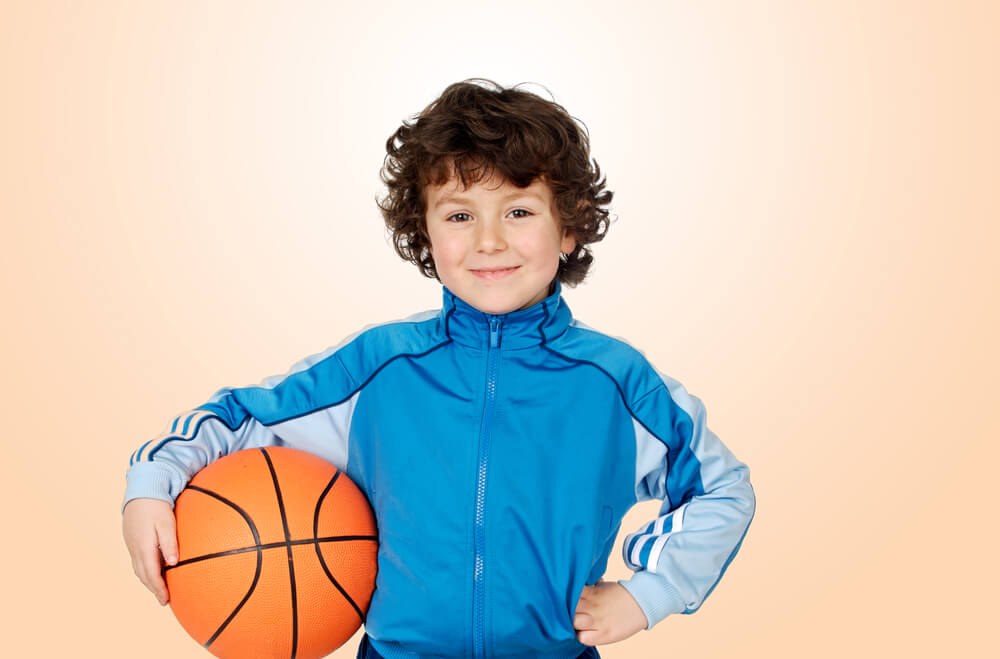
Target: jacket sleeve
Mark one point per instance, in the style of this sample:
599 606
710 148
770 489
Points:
708 504
309 407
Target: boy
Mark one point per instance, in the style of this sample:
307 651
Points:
499 440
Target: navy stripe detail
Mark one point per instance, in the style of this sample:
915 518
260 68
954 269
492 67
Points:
447 319
232 414
679 439
187 422
194 434
700 486
684 449
247 415
136 455
544 323
362 385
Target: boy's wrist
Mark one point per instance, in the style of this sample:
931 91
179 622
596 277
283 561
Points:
655 595
150 480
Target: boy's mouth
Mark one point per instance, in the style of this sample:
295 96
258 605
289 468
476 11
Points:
494 273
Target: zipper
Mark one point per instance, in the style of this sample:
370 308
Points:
478 587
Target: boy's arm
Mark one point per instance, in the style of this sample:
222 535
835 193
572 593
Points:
309 407
708 504
161 467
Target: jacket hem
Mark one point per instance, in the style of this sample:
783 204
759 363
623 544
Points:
390 650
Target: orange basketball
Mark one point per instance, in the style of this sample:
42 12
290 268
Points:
277 555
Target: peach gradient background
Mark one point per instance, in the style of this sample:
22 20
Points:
806 234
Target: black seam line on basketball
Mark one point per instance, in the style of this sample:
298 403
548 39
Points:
256 575
291 563
319 553
270 545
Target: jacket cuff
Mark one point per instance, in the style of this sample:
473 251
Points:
655 595
148 479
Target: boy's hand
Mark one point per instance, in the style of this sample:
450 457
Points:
607 613
149 528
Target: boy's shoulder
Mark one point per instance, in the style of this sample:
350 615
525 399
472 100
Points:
368 348
589 338
412 334
412 323
619 358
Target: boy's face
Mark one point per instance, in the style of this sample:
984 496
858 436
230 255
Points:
495 245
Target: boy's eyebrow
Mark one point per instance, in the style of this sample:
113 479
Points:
512 195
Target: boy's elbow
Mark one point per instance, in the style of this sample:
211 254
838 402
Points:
748 498
739 493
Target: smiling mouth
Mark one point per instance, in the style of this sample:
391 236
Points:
494 273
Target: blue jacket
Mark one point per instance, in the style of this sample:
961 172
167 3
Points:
499 453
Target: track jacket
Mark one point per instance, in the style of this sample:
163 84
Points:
499 453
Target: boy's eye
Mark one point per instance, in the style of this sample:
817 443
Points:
456 218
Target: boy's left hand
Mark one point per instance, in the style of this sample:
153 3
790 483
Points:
607 613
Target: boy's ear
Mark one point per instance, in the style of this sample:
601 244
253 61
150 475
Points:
568 243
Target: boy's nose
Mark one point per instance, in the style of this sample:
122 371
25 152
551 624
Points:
490 237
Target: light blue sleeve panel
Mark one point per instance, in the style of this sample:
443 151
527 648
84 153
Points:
708 504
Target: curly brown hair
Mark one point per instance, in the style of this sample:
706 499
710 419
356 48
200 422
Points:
470 131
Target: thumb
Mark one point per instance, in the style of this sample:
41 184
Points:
166 535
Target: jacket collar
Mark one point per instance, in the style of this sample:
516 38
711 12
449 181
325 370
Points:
539 323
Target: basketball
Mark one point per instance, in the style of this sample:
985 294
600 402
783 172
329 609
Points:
277 555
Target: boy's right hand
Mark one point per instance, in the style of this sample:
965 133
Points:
150 532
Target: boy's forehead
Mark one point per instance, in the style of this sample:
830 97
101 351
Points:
453 188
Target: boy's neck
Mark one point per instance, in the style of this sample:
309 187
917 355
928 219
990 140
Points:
538 323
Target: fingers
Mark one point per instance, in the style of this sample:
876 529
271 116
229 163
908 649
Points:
154 573
146 565
585 622
166 535
148 525
584 619
166 532
607 615
588 637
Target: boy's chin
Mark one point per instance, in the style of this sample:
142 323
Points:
496 307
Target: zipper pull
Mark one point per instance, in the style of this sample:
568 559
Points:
494 332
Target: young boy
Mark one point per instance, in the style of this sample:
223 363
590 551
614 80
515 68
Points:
499 440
